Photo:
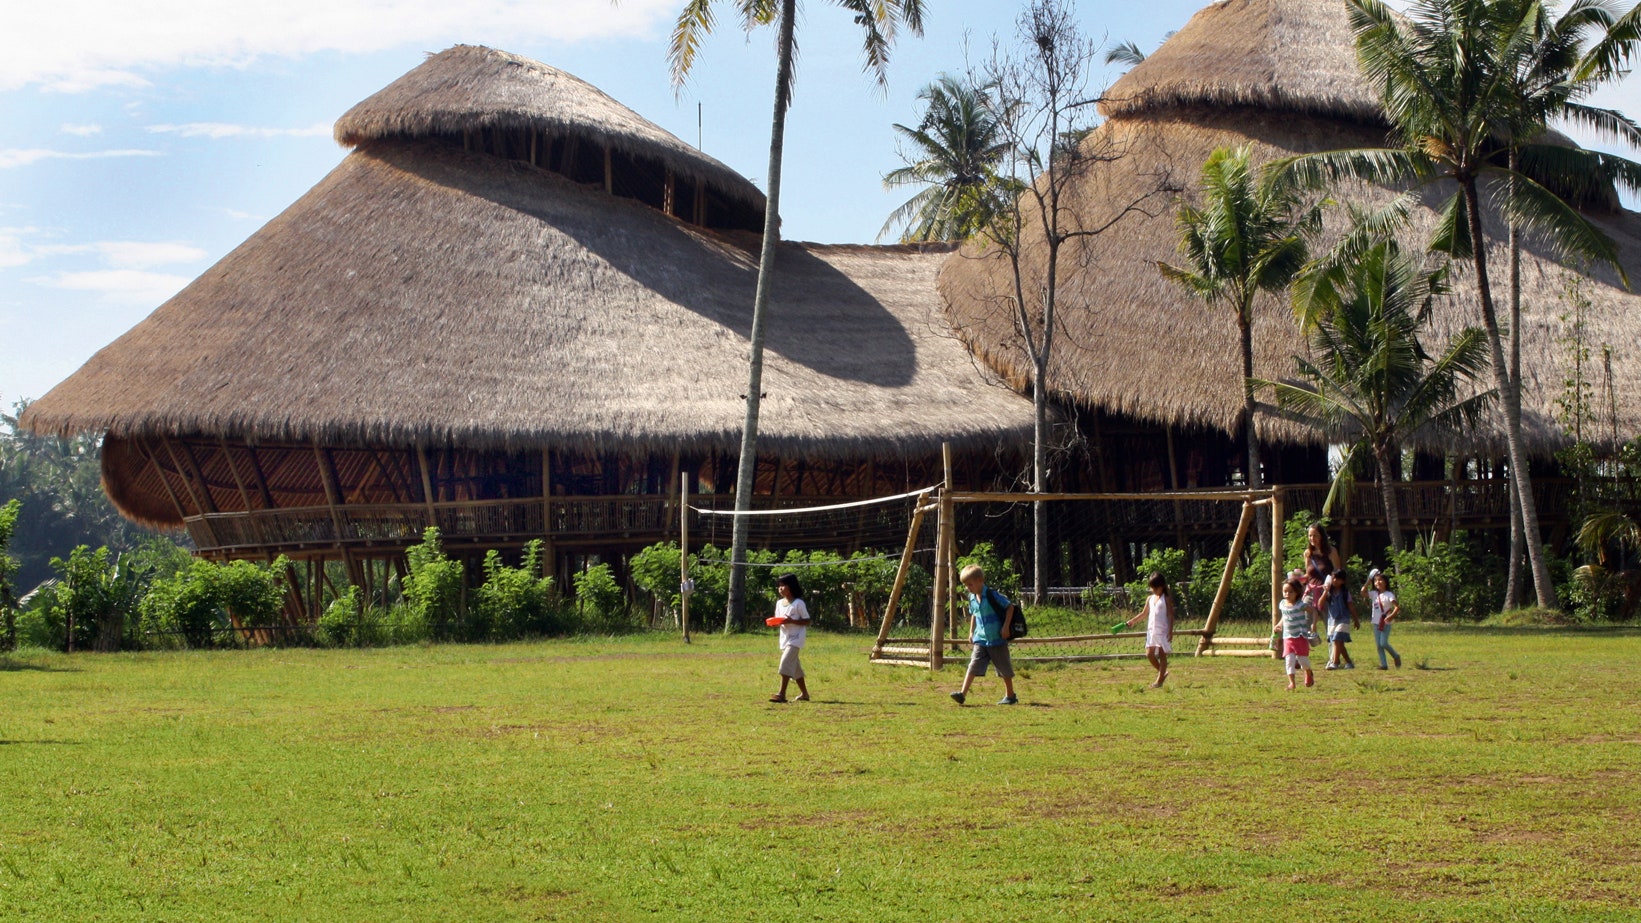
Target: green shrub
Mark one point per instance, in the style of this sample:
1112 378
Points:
433 587
98 595
1446 581
516 601
8 570
344 624
601 606
194 605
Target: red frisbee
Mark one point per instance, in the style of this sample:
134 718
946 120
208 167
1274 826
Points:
774 620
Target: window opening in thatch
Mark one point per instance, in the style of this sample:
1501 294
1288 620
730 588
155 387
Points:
584 161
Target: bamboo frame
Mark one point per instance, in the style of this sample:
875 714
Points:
1277 567
944 604
683 552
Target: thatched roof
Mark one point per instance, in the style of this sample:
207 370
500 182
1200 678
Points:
1274 54
470 87
423 294
1137 345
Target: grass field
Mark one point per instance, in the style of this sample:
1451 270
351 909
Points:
1496 777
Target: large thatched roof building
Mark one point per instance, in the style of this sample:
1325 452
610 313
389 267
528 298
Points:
515 290
1279 76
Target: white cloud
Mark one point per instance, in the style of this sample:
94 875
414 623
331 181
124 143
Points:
17 250
216 130
22 157
74 47
118 286
82 131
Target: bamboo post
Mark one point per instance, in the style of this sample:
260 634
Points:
953 622
1277 569
1243 526
900 578
684 587
942 567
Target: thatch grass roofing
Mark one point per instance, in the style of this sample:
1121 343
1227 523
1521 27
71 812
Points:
1135 344
423 294
470 87
1273 54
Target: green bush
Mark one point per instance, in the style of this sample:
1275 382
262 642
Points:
194 605
433 587
99 595
8 570
1446 581
516 601
601 606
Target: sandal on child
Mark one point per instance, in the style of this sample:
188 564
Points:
781 699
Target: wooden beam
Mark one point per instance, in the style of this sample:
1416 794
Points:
206 500
261 477
233 469
427 485
669 194
148 452
333 494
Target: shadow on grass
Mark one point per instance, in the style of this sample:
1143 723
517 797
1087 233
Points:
8 665
55 743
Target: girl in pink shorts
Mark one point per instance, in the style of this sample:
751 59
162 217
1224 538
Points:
1298 619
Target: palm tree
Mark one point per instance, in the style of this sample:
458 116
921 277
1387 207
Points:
1125 53
1371 383
1246 238
1449 81
880 21
956 149
1552 82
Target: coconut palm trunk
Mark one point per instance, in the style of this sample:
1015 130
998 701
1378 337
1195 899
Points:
1518 535
1520 478
1386 458
746 472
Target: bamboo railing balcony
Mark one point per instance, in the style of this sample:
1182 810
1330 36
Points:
632 520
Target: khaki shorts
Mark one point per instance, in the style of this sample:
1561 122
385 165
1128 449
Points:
789 662
997 656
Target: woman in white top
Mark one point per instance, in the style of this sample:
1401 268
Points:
793 618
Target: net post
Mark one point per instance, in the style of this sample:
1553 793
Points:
1277 571
683 552
1243 527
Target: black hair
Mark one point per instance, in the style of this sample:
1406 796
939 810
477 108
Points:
790 581
1157 579
1298 587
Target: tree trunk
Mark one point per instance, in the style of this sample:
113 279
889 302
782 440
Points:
1387 492
1256 479
735 611
1518 535
1520 478
1039 484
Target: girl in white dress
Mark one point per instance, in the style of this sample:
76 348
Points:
1159 626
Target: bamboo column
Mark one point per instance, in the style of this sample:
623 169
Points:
942 567
1278 571
683 553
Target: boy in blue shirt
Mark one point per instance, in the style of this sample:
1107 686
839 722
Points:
991 616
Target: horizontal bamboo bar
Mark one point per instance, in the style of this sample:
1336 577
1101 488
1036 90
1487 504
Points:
1259 641
923 664
1069 639
1210 652
1079 658
913 651
999 497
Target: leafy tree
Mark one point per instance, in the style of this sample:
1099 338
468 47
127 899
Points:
955 151
8 568
1449 74
1045 116
1246 239
880 21
1371 384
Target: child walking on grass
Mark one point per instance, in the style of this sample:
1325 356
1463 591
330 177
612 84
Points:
1385 608
1159 626
792 615
1342 618
991 620
1298 620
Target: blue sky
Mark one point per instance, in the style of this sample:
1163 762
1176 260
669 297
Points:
145 139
